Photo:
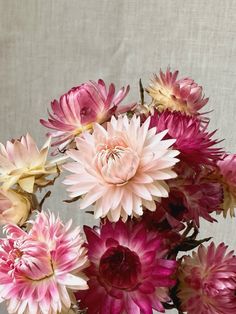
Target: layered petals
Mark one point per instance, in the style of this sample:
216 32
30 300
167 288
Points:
129 272
22 163
80 107
227 176
207 281
183 95
40 269
14 207
195 144
121 169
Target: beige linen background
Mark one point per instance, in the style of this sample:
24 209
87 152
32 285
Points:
48 46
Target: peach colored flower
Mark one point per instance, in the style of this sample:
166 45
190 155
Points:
121 169
227 176
14 207
22 162
41 269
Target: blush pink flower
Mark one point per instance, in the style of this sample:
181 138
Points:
79 108
227 176
176 95
40 270
121 169
195 144
207 281
129 272
21 162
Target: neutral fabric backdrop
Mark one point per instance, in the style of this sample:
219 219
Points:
48 46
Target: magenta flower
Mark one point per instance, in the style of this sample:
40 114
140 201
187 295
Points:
207 281
80 107
129 272
227 169
40 270
192 140
176 95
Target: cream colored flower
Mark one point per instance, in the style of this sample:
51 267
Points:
14 207
23 163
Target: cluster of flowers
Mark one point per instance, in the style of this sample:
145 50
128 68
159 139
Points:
150 172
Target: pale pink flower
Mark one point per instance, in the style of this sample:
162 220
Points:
207 281
227 176
183 95
121 169
22 162
80 107
14 207
41 269
129 271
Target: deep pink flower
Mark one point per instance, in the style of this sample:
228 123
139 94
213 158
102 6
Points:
128 272
227 175
176 95
207 281
195 144
165 223
121 168
80 107
40 270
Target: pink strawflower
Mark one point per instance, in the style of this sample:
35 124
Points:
195 144
187 201
80 107
227 176
176 95
129 272
160 221
22 163
207 281
121 169
199 200
40 270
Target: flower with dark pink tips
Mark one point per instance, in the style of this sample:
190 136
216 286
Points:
183 95
80 107
207 281
195 144
129 272
41 269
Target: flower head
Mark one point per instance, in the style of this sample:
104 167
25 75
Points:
227 176
192 139
121 169
22 162
80 107
39 270
181 95
187 201
14 207
129 272
207 281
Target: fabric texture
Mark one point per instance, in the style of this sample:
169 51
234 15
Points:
48 46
